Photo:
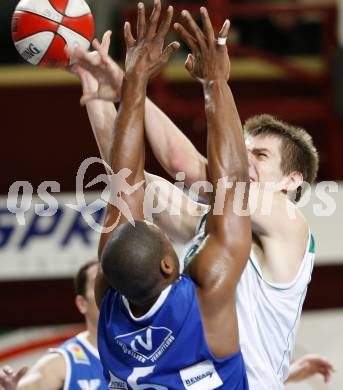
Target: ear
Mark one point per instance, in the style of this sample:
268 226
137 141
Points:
293 181
167 266
81 304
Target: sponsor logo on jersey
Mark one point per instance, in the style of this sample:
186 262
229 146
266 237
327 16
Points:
146 344
93 384
78 354
116 383
30 51
201 376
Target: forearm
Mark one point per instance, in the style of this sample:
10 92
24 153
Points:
101 115
33 381
102 129
127 152
227 156
171 147
127 149
225 148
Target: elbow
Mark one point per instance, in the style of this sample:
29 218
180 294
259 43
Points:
176 162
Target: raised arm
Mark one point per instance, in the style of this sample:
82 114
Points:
217 267
179 226
144 58
99 98
227 155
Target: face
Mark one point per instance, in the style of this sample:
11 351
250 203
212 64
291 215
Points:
88 306
264 156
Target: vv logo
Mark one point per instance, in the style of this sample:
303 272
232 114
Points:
146 345
145 342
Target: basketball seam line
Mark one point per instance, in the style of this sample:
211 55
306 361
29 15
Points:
76 32
56 33
46 17
58 25
52 5
63 14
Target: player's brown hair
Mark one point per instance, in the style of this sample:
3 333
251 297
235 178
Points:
297 151
80 280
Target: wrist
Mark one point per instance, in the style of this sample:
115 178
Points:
134 87
210 84
135 79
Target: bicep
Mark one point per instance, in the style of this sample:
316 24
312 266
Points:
48 373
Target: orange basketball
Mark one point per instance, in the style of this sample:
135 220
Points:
42 28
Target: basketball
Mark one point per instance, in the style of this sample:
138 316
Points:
42 28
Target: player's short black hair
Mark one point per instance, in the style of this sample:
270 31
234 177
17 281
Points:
131 260
80 280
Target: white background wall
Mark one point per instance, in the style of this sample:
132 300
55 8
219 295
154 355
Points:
321 332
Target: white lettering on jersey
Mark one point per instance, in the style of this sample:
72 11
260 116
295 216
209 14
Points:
116 383
201 376
148 343
93 384
140 372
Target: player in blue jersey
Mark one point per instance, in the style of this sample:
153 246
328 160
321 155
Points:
159 329
74 365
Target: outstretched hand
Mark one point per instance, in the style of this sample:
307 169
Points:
100 76
9 379
209 60
309 365
145 55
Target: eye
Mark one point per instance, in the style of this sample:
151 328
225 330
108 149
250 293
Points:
262 155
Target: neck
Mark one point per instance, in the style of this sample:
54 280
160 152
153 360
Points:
140 308
92 333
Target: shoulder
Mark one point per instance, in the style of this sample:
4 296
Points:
280 217
53 360
284 246
48 373
293 225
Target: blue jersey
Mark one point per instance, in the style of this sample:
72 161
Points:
83 367
166 348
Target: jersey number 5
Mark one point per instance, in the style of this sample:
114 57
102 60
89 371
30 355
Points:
140 372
